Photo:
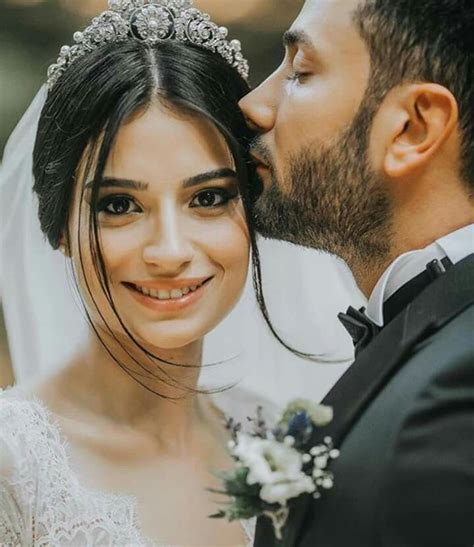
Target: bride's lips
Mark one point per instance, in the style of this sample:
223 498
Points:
191 291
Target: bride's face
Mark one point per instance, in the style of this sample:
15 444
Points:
172 231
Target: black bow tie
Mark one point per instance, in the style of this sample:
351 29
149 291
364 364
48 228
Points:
363 330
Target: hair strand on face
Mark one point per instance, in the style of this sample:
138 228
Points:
83 113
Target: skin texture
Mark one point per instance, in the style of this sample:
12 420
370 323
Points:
165 234
399 179
293 114
122 438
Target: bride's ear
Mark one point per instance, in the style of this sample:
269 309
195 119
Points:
424 117
64 246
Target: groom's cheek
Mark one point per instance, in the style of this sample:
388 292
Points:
324 80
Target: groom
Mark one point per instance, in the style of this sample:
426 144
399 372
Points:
366 150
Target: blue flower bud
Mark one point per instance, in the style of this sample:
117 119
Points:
300 427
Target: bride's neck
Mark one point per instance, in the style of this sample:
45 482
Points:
96 387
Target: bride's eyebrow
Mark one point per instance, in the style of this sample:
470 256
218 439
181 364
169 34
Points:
223 173
110 182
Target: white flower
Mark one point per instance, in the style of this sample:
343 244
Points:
322 415
321 462
276 466
283 491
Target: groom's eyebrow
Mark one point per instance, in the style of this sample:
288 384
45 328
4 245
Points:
295 38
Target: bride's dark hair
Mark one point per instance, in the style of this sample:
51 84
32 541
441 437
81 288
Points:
79 123
102 90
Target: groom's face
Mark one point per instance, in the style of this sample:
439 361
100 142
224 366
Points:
314 120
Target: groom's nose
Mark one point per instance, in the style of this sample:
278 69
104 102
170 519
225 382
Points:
259 107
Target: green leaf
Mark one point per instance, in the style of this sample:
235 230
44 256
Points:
218 515
245 498
245 508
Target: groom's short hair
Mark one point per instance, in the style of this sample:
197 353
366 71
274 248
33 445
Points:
424 40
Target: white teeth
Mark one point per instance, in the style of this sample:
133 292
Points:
174 294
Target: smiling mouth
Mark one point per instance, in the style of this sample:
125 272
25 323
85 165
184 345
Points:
164 295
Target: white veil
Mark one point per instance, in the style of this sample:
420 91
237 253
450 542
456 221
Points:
43 322
305 290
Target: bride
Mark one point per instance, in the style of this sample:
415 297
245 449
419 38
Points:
141 177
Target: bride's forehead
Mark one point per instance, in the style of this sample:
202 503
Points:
163 129
160 141
163 148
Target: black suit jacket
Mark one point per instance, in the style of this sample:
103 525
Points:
404 421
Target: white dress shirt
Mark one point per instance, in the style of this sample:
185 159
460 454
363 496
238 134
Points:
456 246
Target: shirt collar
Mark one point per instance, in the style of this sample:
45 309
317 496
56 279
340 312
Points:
456 246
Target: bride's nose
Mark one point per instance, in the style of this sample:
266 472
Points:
168 247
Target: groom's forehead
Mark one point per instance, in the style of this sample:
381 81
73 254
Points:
328 21
337 8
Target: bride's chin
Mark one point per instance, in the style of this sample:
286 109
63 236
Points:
167 339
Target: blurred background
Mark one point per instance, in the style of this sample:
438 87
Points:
32 31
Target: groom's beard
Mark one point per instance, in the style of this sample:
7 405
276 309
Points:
335 202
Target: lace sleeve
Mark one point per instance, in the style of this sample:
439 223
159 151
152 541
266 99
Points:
42 502
12 517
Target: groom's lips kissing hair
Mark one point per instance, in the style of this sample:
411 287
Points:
261 157
260 153
258 160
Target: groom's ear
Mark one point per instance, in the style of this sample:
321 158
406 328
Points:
422 119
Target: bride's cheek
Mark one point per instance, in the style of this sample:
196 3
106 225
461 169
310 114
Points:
120 249
230 246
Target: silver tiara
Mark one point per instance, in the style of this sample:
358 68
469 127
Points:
150 21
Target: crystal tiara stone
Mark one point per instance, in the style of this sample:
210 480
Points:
150 21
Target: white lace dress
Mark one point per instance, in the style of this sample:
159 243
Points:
42 502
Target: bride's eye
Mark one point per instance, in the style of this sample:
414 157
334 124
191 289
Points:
209 199
117 205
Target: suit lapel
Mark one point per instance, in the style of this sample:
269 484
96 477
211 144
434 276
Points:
440 302
443 300
350 396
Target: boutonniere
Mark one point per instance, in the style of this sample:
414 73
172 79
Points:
275 465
